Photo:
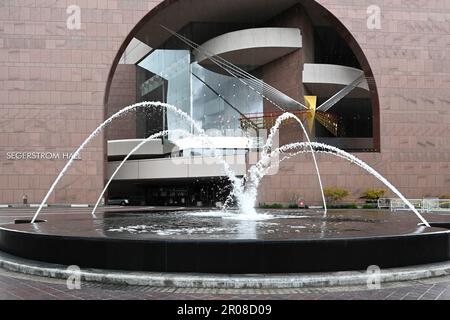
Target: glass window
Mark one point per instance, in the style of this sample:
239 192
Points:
170 68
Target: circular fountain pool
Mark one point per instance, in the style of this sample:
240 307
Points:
211 242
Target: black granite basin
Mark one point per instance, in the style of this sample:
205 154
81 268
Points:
286 242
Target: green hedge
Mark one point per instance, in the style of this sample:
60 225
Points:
344 206
271 206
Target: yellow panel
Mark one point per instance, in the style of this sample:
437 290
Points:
311 102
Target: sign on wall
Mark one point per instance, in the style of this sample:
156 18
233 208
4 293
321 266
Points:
39 155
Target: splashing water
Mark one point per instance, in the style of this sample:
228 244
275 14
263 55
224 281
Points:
85 142
327 149
244 190
153 136
120 113
246 206
261 168
257 171
237 183
228 170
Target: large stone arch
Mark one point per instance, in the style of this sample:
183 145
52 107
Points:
316 6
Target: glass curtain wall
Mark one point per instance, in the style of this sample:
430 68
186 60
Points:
218 102
170 68
221 101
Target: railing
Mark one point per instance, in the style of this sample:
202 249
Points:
436 205
423 205
266 120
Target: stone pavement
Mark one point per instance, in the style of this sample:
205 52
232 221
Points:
23 287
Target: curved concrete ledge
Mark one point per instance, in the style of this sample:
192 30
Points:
253 47
156 147
176 168
326 79
152 147
253 281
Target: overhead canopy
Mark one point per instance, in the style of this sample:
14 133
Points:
324 80
251 47
179 13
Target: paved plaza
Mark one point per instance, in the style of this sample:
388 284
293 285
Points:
14 286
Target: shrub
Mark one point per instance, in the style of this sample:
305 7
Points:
373 194
271 206
276 206
293 206
344 206
370 206
335 194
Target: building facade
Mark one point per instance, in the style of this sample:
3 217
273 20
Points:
65 67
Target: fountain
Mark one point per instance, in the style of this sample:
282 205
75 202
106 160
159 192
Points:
120 113
245 240
231 241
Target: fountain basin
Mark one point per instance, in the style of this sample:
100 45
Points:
206 242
